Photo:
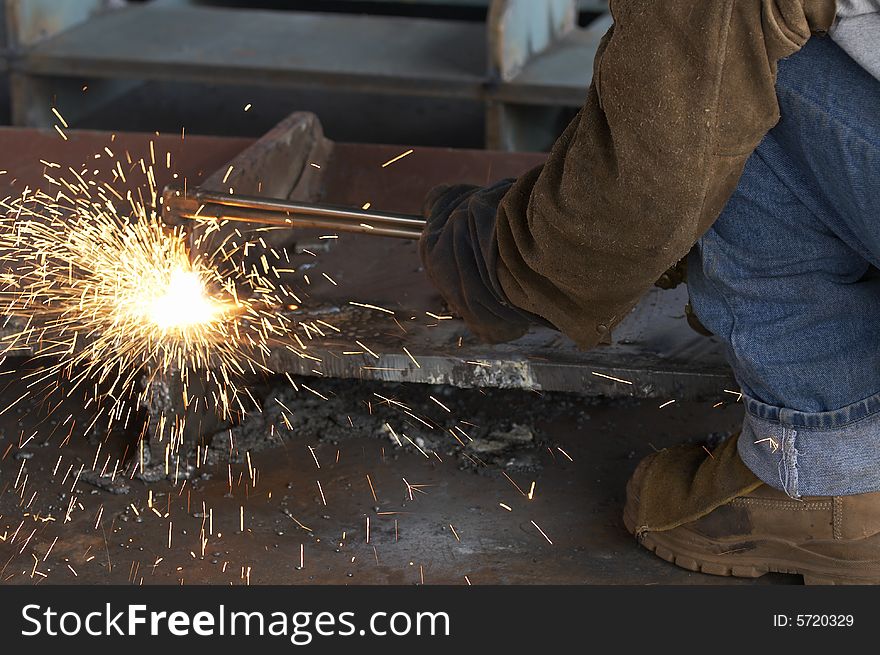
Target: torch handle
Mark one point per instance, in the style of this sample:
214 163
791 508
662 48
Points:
202 204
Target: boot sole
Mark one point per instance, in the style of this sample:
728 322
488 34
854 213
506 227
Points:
690 550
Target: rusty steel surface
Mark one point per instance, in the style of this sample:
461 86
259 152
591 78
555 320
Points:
21 150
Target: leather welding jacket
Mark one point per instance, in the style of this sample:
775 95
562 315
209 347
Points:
683 91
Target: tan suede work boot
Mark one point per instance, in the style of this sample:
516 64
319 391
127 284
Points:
709 513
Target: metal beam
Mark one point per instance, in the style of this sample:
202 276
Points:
271 48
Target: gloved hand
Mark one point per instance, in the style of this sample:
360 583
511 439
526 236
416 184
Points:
459 251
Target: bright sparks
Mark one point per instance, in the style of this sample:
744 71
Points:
111 299
184 304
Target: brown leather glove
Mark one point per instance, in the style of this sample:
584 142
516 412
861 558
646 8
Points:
460 254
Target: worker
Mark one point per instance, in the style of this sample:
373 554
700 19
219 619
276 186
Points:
745 136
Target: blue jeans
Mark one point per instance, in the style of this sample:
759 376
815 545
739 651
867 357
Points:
787 278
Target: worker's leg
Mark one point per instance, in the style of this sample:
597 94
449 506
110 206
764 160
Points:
785 279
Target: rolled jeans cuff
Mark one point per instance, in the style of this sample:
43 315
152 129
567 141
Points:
834 453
